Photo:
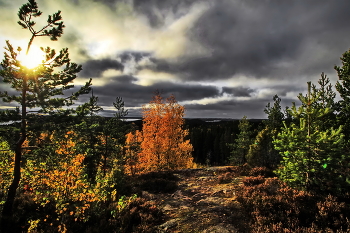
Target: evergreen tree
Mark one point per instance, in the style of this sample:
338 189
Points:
326 99
88 133
39 87
99 138
196 137
113 136
241 146
343 87
274 114
312 156
262 151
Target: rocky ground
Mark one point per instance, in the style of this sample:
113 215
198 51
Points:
232 199
198 200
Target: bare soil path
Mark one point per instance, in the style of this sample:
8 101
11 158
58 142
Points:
203 201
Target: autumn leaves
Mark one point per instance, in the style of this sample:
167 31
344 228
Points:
161 145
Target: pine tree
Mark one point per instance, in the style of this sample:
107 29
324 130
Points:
88 133
262 151
343 87
311 155
241 146
99 138
326 99
39 87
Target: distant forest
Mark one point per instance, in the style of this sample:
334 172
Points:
211 138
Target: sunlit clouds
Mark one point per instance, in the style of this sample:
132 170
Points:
224 58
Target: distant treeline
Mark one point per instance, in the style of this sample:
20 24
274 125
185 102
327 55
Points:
210 139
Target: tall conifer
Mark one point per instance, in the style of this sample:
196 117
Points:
241 146
343 87
262 151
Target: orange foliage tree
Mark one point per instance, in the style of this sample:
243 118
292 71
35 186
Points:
60 181
132 150
162 145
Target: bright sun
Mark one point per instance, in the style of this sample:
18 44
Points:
33 59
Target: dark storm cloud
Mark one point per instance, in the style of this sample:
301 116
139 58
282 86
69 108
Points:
75 41
281 42
253 37
136 95
283 90
158 10
133 55
238 91
94 68
228 109
253 108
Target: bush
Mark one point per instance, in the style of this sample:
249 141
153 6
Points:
153 182
226 178
272 206
252 180
261 171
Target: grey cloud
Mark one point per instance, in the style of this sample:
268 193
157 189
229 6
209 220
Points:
157 11
271 39
283 90
5 3
238 91
136 95
253 38
94 68
129 55
187 92
75 42
228 109
234 109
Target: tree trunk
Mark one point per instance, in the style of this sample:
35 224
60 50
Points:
6 217
6 220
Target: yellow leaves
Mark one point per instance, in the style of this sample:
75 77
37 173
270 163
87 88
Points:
62 181
62 228
6 164
33 224
59 180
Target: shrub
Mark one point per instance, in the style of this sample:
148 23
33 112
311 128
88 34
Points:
252 180
261 171
272 206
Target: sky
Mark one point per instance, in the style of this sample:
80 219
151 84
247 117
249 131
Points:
221 59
